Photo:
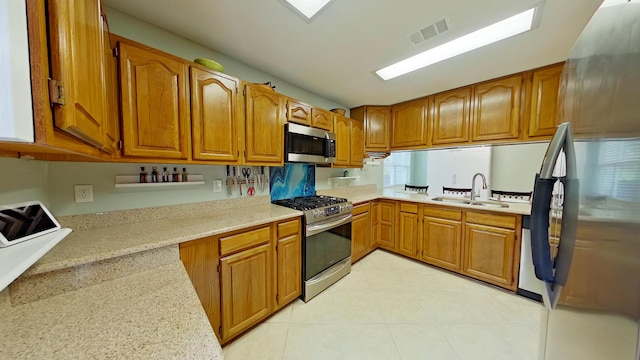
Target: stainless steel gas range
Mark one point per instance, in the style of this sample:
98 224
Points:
326 242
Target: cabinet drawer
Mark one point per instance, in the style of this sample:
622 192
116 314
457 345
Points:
409 208
245 240
441 213
288 228
503 221
359 209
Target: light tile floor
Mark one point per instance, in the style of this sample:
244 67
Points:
391 307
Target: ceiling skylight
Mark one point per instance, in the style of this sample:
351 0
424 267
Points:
498 31
307 9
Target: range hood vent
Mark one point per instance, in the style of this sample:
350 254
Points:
376 155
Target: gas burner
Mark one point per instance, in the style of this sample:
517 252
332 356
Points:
317 208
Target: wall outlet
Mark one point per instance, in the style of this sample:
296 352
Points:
217 185
83 193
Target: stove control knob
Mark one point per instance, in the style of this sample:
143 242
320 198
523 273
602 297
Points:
317 213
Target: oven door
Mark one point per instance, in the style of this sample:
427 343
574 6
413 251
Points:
326 243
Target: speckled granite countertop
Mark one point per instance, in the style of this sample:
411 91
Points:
357 197
89 245
153 314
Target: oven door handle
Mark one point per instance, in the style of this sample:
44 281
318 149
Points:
318 228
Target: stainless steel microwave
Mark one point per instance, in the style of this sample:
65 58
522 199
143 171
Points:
309 145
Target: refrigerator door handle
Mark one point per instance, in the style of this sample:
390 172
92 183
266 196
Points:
554 272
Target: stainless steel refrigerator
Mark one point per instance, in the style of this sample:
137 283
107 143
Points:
585 217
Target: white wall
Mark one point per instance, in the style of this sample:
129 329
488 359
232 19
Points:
369 174
23 180
514 167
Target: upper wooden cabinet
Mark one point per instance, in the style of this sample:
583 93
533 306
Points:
543 101
451 116
264 126
155 103
357 143
409 124
214 116
349 142
496 109
376 126
298 112
112 124
322 119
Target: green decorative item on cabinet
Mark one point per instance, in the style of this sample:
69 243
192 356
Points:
210 64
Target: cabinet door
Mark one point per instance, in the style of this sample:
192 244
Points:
264 126
112 119
407 234
544 101
321 119
376 125
409 124
357 143
496 110
386 238
155 104
214 123
78 62
289 252
441 242
200 259
489 254
298 112
375 224
246 289
451 117
342 128
360 232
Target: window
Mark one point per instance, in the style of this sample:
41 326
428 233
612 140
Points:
397 169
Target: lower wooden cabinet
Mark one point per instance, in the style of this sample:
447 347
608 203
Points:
200 258
386 239
289 258
246 289
260 272
360 232
375 224
441 243
408 219
492 248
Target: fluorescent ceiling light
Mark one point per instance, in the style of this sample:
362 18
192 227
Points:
307 8
501 30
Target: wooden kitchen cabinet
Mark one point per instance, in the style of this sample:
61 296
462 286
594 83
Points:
375 224
409 128
349 142
496 109
155 103
543 101
289 262
451 116
298 112
376 121
441 242
321 119
408 223
492 248
246 288
200 259
387 222
111 93
264 126
215 127
360 232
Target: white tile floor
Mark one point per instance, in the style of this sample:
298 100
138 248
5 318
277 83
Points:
391 307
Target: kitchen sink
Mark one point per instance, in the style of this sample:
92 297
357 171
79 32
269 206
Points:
483 203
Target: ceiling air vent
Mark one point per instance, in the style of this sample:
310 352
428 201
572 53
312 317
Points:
430 31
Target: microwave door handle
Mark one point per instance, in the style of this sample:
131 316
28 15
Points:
318 228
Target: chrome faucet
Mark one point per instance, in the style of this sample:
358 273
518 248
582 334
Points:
473 185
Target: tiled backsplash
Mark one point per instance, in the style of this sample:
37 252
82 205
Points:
292 180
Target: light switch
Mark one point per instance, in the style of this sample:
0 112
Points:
83 193
217 185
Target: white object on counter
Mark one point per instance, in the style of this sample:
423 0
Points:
16 259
